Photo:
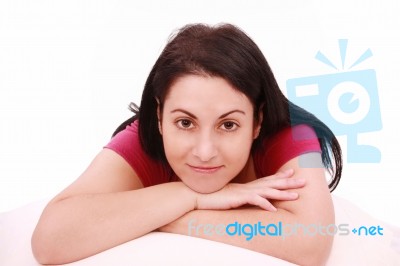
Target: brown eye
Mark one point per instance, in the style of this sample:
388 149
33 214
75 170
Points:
229 126
185 124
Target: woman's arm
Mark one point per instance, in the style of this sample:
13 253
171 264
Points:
312 211
107 206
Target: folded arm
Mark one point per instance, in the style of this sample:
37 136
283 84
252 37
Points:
312 211
107 206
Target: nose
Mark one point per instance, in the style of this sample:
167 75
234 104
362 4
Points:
205 148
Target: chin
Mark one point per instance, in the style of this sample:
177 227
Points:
204 189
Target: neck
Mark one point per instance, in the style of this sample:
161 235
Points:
247 174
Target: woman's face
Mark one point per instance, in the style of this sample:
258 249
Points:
207 128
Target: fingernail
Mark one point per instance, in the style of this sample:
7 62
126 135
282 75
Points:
289 171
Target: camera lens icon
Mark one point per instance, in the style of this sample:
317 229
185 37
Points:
348 102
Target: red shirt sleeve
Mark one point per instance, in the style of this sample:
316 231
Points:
283 146
126 143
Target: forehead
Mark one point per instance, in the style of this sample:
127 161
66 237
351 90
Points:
199 90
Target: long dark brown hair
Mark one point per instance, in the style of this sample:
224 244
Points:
226 51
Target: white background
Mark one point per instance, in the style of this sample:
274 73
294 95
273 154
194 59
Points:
68 70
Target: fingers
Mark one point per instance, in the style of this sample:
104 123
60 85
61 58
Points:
286 173
262 203
280 180
281 183
288 183
281 174
278 194
256 193
261 199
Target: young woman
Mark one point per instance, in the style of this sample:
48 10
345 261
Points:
214 141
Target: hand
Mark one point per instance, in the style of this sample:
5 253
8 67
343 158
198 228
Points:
256 193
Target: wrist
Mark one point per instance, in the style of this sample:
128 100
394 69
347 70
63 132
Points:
190 195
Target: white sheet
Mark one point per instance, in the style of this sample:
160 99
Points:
170 249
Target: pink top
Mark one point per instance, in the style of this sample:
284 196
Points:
275 152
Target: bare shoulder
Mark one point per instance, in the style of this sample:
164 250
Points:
107 173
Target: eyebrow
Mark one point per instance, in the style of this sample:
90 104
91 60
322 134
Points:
221 116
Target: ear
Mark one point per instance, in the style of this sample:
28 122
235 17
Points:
159 116
258 123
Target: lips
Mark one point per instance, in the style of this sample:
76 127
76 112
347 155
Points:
205 169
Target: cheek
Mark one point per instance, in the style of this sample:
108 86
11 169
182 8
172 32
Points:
237 150
175 145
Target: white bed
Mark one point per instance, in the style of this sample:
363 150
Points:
170 249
